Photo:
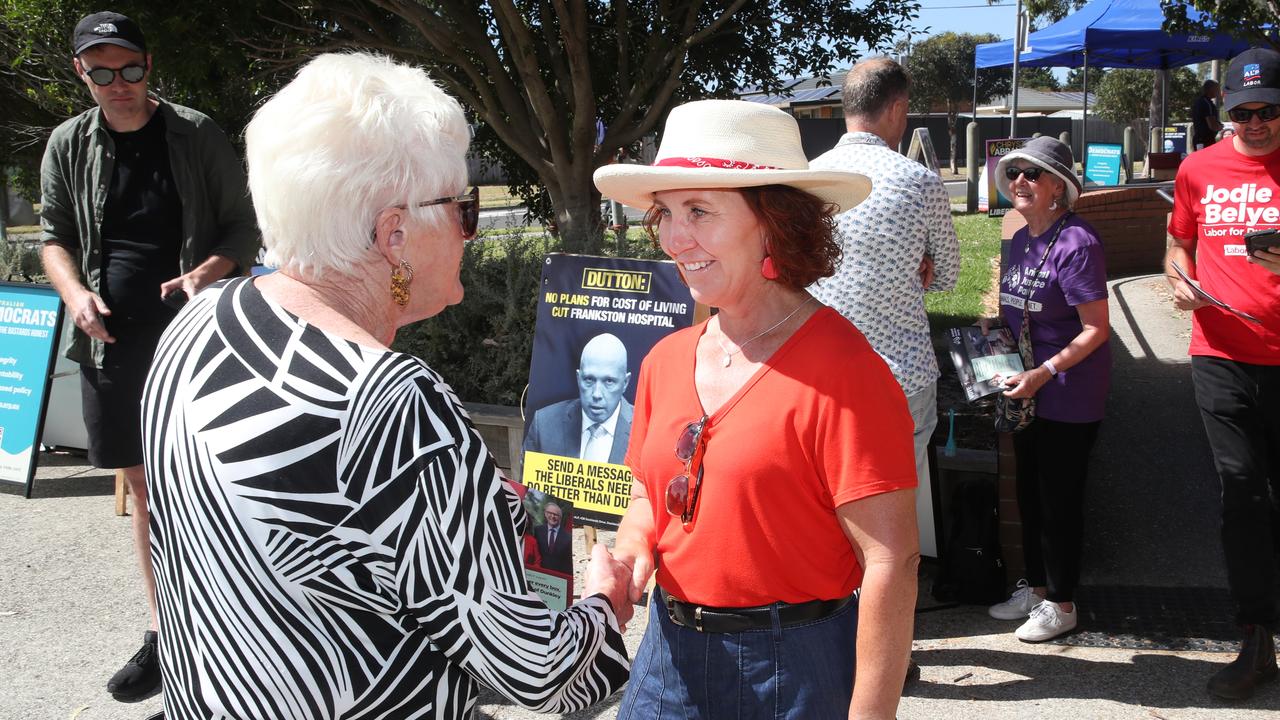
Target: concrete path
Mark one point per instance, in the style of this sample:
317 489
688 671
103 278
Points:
71 610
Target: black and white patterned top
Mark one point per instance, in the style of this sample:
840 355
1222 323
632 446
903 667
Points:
332 539
877 287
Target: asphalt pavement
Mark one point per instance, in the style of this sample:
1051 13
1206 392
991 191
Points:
71 610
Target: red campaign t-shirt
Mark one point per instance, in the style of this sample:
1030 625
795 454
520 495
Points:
1220 194
821 424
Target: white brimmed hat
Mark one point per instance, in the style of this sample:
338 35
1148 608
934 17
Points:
1048 154
729 144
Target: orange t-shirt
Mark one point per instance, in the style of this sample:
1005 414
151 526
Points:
821 424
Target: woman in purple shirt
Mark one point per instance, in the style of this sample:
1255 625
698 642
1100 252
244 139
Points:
1057 277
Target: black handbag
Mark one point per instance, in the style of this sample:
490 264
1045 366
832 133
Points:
1015 414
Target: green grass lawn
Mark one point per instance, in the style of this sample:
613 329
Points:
979 252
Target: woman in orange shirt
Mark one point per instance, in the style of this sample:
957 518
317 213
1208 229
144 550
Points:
791 482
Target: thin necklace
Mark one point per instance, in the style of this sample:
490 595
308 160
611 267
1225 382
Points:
728 356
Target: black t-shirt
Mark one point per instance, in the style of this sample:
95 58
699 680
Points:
1201 133
141 226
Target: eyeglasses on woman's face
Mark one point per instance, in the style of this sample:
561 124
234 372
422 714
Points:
681 498
468 212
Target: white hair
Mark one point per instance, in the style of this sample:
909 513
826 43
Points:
351 135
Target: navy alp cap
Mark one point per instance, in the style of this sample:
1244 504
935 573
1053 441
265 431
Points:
107 28
1253 77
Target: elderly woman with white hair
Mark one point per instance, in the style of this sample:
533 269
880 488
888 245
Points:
330 536
1053 289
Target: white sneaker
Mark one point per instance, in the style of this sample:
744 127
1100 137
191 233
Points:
1018 606
1048 620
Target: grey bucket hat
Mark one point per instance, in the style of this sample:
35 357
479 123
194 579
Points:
1049 154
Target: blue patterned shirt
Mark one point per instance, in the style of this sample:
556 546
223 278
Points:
877 287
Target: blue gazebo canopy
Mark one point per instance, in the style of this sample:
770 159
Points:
1115 34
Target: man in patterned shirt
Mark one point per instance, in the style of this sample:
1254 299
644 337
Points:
898 244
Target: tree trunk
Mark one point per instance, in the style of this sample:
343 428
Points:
577 210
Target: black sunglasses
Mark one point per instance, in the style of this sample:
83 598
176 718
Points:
105 76
681 499
1032 173
1266 113
468 212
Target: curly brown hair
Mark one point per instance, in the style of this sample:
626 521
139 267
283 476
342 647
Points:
799 230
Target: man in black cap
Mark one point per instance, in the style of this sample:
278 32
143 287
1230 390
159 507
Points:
144 204
1222 193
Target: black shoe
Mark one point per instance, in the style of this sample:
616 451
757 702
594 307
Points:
140 676
1255 665
157 716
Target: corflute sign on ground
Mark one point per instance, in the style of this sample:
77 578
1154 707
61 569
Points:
30 316
597 319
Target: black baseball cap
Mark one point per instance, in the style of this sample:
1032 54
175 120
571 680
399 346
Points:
107 28
1253 76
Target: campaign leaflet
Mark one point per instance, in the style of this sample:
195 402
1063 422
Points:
597 319
984 362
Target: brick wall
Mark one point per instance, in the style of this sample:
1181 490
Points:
1131 224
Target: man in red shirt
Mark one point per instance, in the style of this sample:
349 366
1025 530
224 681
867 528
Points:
1222 193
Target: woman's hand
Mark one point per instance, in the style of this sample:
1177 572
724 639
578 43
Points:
1027 384
640 560
611 578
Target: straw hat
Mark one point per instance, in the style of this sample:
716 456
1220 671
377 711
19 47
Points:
729 144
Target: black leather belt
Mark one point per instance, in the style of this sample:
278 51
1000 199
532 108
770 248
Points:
732 620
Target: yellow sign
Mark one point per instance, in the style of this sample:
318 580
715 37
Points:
617 280
596 486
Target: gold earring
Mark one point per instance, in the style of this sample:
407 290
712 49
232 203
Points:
401 276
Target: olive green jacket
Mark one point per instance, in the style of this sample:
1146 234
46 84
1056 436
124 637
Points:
75 176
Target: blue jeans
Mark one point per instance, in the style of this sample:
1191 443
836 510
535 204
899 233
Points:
800 671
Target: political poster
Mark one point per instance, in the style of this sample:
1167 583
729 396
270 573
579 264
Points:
1103 167
997 203
597 319
30 317
1175 140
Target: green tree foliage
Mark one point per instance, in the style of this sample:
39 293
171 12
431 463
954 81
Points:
197 61
1247 18
1038 78
537 75
942 77
1124 96
1075 79
1047 12
540 74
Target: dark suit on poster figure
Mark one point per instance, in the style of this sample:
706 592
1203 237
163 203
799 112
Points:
602 379
557 430
556 556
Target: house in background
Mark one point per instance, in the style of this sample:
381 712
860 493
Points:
1053 103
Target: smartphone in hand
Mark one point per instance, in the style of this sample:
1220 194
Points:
176 299
1262 240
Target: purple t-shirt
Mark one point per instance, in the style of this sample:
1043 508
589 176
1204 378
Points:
1073 274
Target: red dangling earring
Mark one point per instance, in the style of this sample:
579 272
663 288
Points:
767 268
